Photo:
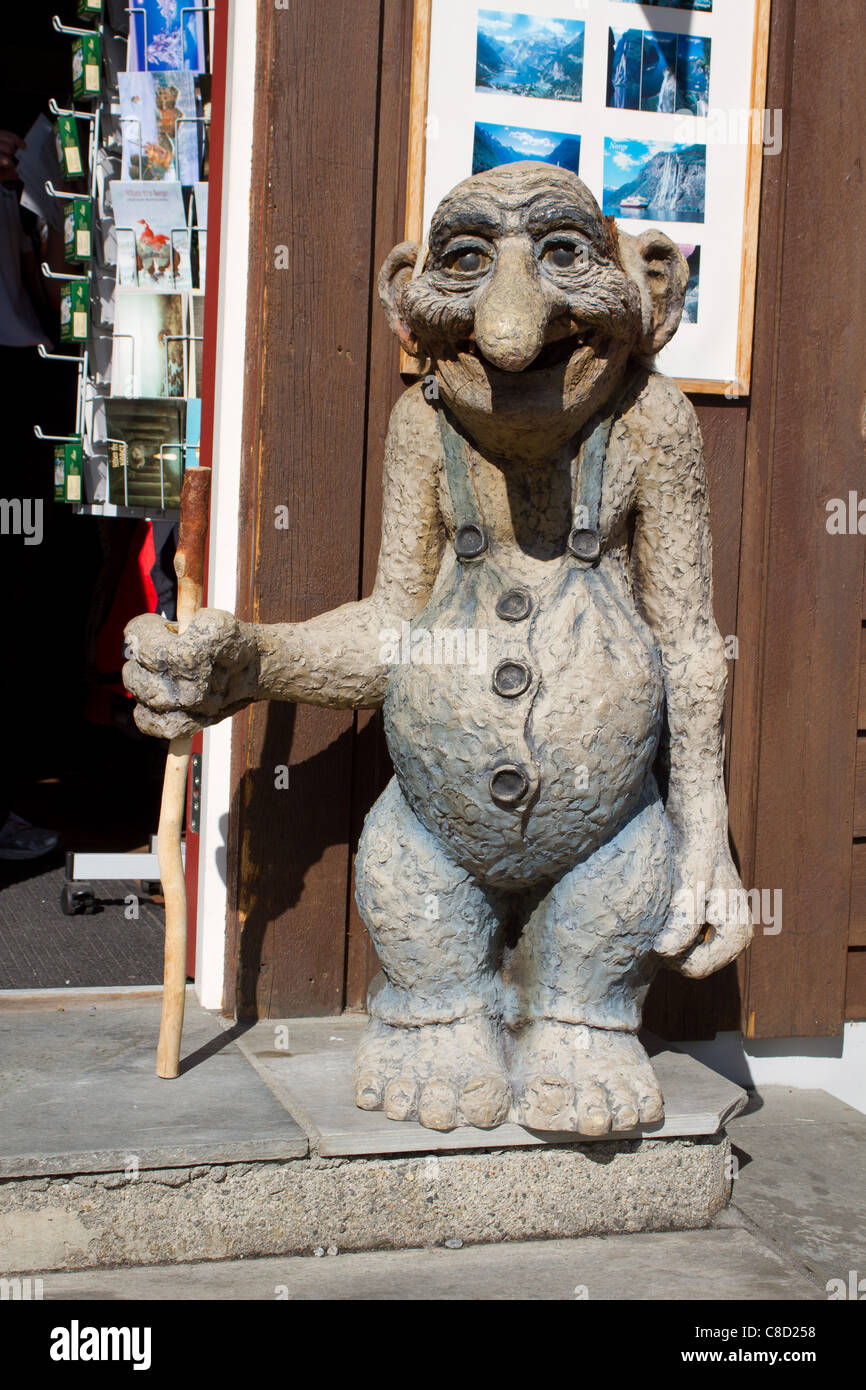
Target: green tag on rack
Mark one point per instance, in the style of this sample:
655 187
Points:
68 148
74 302
89 9
85 65
77 241
67 471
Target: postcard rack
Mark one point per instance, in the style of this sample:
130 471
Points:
133 191
134 206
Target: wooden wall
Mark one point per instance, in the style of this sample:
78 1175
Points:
329 175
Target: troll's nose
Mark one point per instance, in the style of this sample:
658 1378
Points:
512 314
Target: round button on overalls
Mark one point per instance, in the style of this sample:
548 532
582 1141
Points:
508 784
584 545
514 605
511 678
470 542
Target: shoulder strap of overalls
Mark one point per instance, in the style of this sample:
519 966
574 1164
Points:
470 540
585 539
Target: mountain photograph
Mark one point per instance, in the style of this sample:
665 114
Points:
529 56
655 182
508 144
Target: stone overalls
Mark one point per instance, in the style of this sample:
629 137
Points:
524 817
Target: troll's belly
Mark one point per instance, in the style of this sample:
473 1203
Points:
528 745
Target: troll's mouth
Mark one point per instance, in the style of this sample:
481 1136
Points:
555 354
552 355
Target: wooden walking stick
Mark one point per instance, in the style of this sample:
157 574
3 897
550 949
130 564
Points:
189 568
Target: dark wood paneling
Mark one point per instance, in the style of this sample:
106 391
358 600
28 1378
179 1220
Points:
855 989
743 740
306 414
805 447
372 767
676 1007
860 786
857 919
861 709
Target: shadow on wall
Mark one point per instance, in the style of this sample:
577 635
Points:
836 1065
272 871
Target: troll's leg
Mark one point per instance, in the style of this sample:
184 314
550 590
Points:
579 976
433 1049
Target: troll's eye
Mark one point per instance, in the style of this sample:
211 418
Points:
561 255
468 260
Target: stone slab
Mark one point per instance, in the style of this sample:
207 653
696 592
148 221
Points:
245 1210
801 1163
681 1265
79 1092
315 1086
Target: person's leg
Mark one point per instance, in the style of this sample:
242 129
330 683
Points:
433 1049
578 978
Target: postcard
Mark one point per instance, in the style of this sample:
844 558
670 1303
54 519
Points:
655 181
165 35
145 452
703 5
152 237
196 332
529 55
158 122
192 446
668 73
690 307
507 144
149 348
200 221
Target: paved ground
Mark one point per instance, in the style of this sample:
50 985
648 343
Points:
687 1265
98 1050
800 1179
798 1218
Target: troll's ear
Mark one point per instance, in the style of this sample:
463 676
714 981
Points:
393 278
661 273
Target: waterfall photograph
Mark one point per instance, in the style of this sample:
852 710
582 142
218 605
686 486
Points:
649 71
654 181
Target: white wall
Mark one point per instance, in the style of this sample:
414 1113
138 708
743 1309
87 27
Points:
228 421
836 1065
